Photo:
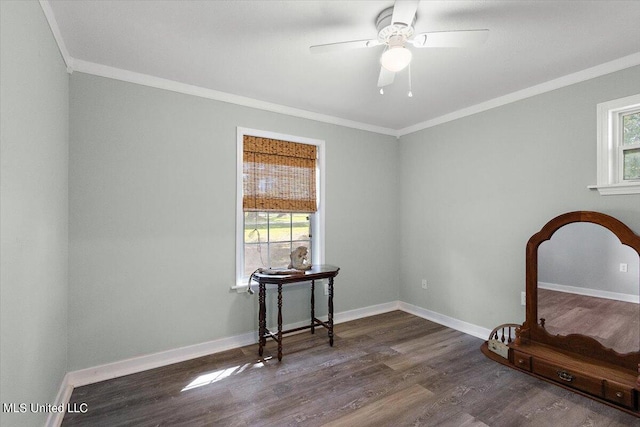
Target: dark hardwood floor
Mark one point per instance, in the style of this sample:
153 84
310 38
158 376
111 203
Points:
394 369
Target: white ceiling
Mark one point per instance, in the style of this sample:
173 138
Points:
260 50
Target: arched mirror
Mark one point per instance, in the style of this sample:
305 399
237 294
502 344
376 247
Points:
582 327
583 283
588 283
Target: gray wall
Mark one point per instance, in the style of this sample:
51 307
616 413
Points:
474 190
152 219
34 120
586 255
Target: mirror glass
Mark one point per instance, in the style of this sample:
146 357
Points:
589 284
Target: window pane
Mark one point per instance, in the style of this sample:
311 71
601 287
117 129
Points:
279 227
300 227
631 129
279 254
631 164
255 227
255 256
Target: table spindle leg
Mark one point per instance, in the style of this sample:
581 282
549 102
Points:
279 322
262 321
313 311
330 321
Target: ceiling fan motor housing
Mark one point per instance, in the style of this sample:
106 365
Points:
387 29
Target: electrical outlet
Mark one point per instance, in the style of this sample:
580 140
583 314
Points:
523 298
424 283
623 267
326 289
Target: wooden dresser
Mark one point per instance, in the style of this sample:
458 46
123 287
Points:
593 377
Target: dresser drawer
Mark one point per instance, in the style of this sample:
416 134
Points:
522 360
620 394
565 376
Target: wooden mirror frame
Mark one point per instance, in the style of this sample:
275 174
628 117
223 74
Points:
575 343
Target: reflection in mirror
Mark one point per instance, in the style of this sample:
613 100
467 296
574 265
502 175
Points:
589 283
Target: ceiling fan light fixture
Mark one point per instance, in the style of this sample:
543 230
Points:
396 58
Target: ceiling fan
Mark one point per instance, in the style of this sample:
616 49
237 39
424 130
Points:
395 27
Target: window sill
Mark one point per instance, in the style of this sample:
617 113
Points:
616 189
241 287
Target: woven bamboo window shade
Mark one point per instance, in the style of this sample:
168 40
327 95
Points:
278 175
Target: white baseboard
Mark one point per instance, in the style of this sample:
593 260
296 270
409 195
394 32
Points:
590 292
64 394
372 310
459 325
142 363
150 361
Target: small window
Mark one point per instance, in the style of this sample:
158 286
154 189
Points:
280 200
619 146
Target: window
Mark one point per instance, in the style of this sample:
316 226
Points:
619 146
280 205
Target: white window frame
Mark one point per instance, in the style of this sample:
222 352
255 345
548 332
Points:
317 219
610 181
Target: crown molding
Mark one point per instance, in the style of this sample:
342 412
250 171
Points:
175 86
57 35
577 77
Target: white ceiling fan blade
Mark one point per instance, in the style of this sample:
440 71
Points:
462 38
354 44
404 11
386 77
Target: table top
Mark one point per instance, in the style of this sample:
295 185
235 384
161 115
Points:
316 272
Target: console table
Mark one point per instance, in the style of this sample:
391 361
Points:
316 273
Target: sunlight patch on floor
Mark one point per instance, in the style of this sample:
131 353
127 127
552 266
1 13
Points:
219 375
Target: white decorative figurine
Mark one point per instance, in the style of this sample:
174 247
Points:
299 259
